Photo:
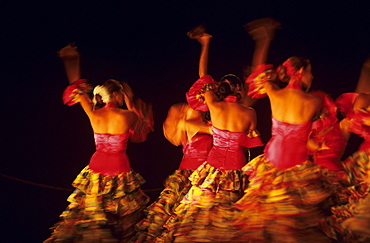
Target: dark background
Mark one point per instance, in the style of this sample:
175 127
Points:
145 44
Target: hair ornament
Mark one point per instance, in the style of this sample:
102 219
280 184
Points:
103 92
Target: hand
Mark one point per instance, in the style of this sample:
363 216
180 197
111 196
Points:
262 29
69 52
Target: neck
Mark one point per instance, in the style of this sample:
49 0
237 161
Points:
294 84
111 105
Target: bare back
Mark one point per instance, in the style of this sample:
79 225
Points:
293 105
112 120
232 117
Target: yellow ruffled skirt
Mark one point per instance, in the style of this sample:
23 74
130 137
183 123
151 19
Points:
205 213
176 187
102 208
350 222
283 205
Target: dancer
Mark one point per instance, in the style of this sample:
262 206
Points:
338 226
205 212
189 128
286 189
107 201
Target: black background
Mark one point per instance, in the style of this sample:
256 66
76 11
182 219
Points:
145 44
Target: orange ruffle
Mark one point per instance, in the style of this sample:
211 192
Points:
206 211
176 187
102 208
282 205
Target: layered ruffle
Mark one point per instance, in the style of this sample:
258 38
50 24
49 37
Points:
71 94
282 205
357 167
205 213
101 208
360 223
176 187
195 95
256 81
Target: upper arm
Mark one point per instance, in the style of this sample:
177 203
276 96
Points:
361 102
87 105
211 98
270 87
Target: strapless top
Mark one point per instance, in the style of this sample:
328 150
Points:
196 151
288 144
227 152
110 157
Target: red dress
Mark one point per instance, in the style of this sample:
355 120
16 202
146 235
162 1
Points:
107 200
176 187
204 213
283 200
350 221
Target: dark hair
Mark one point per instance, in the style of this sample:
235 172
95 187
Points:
293 62
230 84
113 85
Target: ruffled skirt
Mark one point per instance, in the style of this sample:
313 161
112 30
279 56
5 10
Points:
348 221
102 208
176 187
283 205
205 212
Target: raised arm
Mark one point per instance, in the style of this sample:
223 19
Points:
198 33
262 32
363 83
71 60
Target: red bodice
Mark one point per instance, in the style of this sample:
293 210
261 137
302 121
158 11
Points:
110 157
288 144
196 151
227 151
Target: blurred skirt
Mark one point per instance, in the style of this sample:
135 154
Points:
205 213
176 187
102 208
283 205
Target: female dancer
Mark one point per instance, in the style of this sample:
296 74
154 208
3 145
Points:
189 128
282 201
357 170
204 213
107 201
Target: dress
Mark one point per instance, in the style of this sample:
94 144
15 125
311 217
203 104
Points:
348 221
286 190
107 201
176 186
204 213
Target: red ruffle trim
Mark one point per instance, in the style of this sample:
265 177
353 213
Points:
195 95
73 91
257 80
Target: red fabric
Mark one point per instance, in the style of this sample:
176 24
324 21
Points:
196 151
71 93
110 158
345 102
195 95
257 80
329 113
288 144
334 145
227 151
